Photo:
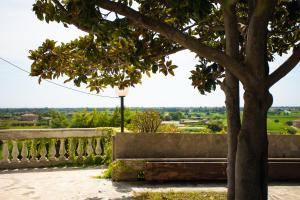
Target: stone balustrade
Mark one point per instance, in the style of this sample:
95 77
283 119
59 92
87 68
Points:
52 147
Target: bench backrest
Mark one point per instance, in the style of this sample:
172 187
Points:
173 145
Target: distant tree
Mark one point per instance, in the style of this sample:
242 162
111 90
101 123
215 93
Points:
58 120
147 121
276 120
176 116
167 117
79 120
92 119
116 117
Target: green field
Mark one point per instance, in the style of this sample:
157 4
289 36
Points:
277 123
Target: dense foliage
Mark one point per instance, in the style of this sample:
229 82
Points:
58 120
116 52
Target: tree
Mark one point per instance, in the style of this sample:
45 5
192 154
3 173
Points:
176 116
90 119
116 117
58 120
147 121
130 38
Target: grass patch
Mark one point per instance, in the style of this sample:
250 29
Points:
96 177
180 196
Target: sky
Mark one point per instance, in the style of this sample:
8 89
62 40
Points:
21 31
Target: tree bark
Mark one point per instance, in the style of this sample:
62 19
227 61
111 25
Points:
252 150
231 89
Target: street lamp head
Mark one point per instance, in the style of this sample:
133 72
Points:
121 92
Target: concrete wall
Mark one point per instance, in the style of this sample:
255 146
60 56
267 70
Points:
153 145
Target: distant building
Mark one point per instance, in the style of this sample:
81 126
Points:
195 118
188 121
296 123
29 117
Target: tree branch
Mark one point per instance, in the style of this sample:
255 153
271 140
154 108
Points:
74 21
57 3
285 68
256 49
175 50
175 35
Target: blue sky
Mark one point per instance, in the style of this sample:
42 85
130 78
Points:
21 31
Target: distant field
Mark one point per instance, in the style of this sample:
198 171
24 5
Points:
281 126
276 122
273 127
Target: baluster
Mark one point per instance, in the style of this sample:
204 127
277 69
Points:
79 149
33 151
24 152
98 149
43 151
15 152
71 149
52 150
62 150
5 152
89 148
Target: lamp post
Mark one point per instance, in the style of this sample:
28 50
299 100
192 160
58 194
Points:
122 93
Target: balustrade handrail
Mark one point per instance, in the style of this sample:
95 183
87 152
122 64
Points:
19 134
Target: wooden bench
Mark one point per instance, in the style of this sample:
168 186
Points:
213 169
185 169
202 169
180 156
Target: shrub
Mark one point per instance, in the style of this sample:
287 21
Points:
291 130
289 123
276 120
215 126
147 121
168 128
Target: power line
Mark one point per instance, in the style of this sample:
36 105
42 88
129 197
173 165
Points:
59 85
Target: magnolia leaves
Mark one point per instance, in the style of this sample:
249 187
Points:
98 64
206 77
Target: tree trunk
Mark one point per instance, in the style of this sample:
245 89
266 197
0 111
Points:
252 150
231 90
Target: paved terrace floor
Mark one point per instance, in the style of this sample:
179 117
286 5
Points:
72 183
